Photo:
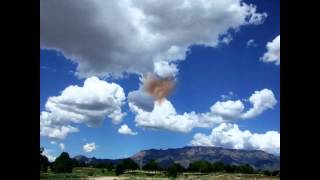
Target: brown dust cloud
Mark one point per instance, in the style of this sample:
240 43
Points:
159 88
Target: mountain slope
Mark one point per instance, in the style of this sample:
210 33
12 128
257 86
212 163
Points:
185 155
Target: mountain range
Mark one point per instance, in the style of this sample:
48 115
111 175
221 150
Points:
184 156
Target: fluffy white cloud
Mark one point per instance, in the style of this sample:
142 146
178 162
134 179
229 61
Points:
164 115
273 52
61 146
251 43
53 142
137 36
230 136
89 147
228 109
89 104
261 101
124 129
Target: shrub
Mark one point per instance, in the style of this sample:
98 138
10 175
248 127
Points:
119 169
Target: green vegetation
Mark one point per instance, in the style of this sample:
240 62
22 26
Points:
44 163
152 165
66 168
62 164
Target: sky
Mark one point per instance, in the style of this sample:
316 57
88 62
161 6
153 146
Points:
224 56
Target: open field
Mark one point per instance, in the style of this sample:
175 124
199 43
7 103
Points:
86 173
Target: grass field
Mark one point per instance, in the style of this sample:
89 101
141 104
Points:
97 174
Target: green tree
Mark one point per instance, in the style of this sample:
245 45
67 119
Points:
172 171
119 169
152 165
179 168
200 166
246 169
44 162
129 164
62 164
218 167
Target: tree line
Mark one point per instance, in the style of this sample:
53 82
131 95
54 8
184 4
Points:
64 164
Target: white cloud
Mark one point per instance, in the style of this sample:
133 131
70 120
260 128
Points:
230 136
251 43
61 146
273 52
261 101
141 99
164 115
137 36
124 129
50 157
89 147
89 104
53 142
228 109
228 96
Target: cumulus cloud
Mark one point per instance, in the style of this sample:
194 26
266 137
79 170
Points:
261 101
89 147
251 43
141 99
61 146
273 52
124 129
164 115
53 142
89 104
137 36
230 136
228 109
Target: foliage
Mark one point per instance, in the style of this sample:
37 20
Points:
172 171
129 164
200 166
152 165
63 164
44 162
120 169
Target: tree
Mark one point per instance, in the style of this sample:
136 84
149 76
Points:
172 171
179 168
119 169
63 164
247 169
218 167
129 164
200 166
152 165
230 168
44 162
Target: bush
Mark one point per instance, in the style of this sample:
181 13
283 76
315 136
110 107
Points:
119 169
200 166
90 173
62 164
129 164
172 171
152 165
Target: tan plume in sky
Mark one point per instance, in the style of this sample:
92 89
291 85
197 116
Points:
159 88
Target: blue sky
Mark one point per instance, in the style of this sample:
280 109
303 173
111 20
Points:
204 75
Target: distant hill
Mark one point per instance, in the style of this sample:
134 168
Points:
184 156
